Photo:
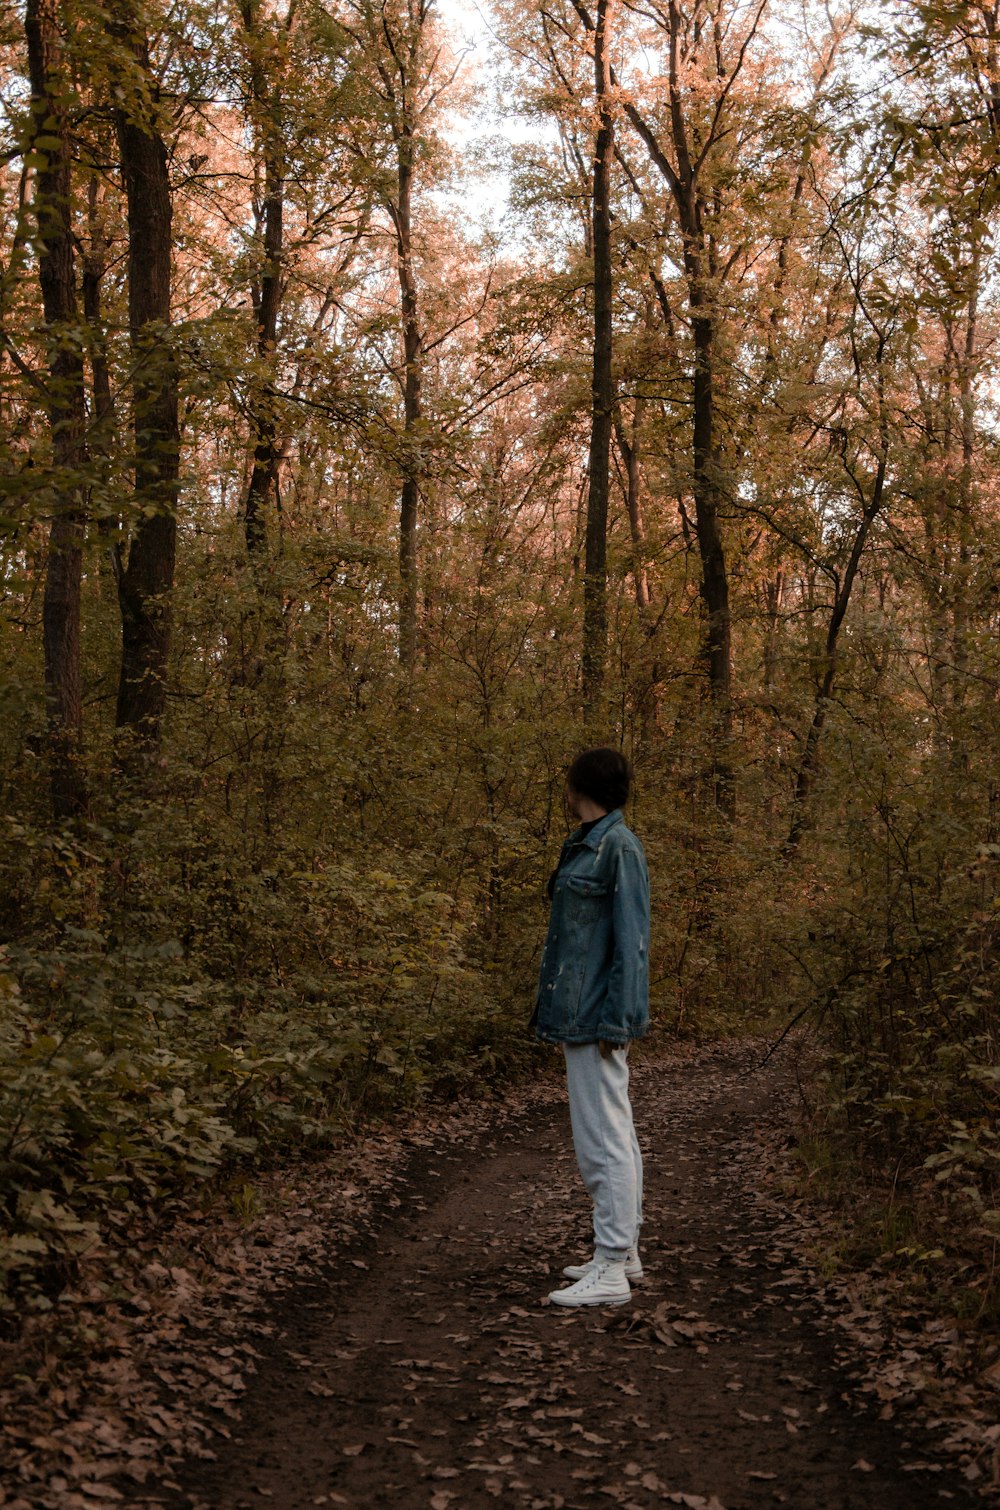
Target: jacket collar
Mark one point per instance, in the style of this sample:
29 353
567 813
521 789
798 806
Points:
593 839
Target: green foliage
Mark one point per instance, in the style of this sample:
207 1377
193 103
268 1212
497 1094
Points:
181 999
903 948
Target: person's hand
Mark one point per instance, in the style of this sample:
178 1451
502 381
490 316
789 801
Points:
606 1048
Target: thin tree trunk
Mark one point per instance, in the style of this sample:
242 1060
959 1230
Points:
412 405
683 183
715 582
103 441
808 766
935 513
66 407
708 532
629 449
595 607
145 585
705 487
774 594
262 488
966 498
646 669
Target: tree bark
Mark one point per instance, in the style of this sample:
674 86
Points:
966 513
65 404
103 440
262 488
715 581
145 585
595 606
412 402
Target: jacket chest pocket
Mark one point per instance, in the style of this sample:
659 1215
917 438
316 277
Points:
585 897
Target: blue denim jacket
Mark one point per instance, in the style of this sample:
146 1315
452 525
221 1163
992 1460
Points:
594 977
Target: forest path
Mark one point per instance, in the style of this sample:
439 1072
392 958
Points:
424 1371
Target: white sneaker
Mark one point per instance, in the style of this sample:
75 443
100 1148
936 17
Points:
633 1267
604 1284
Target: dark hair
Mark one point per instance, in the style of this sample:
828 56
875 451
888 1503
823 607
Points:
603 775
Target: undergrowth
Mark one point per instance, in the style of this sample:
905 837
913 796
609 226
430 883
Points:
152 1042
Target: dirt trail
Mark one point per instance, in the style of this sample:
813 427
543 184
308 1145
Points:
423 1371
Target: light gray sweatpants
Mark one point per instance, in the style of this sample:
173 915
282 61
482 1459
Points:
607 1149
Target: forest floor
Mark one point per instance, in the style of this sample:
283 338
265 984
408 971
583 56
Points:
376 1333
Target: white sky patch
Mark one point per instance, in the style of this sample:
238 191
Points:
487 124
484 120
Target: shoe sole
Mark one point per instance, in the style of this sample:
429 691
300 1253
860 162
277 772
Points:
578 1271
603 1300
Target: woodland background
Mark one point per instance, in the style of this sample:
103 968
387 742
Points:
338 511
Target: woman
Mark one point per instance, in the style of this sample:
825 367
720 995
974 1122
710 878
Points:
593 999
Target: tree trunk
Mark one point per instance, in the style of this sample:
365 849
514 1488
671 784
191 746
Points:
714 577
774 593
146 583
715 582
966 513
65 404
412 407
595 607
262 488
683 183
103 441
808 766
629 449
